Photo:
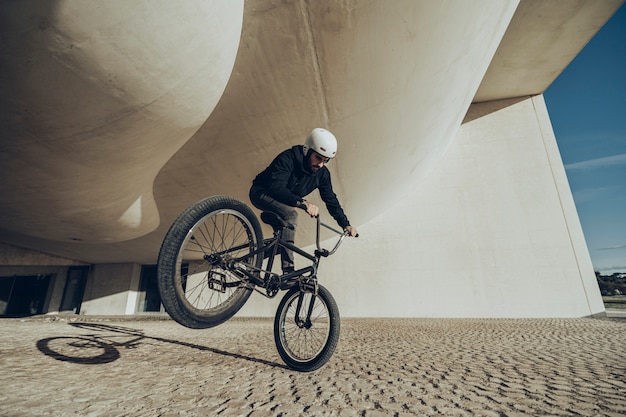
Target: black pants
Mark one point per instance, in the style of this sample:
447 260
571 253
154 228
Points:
289 214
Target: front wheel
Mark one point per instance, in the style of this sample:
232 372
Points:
306 328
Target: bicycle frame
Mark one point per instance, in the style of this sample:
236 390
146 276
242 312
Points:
273 282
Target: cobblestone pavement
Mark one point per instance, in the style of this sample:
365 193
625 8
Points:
383 367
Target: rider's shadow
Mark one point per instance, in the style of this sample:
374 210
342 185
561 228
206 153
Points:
104 346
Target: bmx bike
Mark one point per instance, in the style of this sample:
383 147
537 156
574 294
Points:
211 260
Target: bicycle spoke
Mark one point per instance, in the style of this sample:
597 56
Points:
223 233
305 342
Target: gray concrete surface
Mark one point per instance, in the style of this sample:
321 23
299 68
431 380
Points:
58 366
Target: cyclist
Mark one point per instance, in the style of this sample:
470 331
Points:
293 175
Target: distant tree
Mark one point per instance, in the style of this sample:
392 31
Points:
614 284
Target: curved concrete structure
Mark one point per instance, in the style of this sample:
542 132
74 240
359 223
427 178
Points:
311 80
121 114
97 97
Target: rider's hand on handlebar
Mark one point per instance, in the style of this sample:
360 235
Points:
311 209
352 231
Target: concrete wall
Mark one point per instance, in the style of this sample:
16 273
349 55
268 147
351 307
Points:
16 261
55 289
112 289
13 256
491 232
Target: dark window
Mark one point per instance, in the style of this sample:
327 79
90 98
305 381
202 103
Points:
23 295
74 289
150 299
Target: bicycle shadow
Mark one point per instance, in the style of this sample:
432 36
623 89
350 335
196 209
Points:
98 349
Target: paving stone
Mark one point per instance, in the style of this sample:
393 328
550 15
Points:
98 366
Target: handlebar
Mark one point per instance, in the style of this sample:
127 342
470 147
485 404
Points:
325 252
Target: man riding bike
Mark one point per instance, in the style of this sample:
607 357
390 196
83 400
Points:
294 174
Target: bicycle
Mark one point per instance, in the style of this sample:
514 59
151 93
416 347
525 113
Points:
211 260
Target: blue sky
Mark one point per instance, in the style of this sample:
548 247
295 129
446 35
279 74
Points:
587 106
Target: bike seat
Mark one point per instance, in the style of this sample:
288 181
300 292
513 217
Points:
274 220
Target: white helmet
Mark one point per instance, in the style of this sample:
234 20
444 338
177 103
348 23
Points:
321 141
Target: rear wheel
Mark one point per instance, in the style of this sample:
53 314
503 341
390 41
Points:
195 291
306 341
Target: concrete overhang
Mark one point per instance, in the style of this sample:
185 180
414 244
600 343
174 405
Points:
117 115
543 38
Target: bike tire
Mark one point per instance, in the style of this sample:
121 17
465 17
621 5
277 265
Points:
304 348
214 224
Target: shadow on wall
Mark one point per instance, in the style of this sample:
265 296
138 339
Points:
478 110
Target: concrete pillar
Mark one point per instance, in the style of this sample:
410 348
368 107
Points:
492 231
110 289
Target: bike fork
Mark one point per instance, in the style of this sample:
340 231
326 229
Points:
304 323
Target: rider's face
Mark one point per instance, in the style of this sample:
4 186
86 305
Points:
317 161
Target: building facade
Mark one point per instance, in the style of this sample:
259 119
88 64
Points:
119 119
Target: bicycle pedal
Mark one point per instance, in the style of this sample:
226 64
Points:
217 281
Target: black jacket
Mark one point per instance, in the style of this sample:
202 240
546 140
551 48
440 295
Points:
288 180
